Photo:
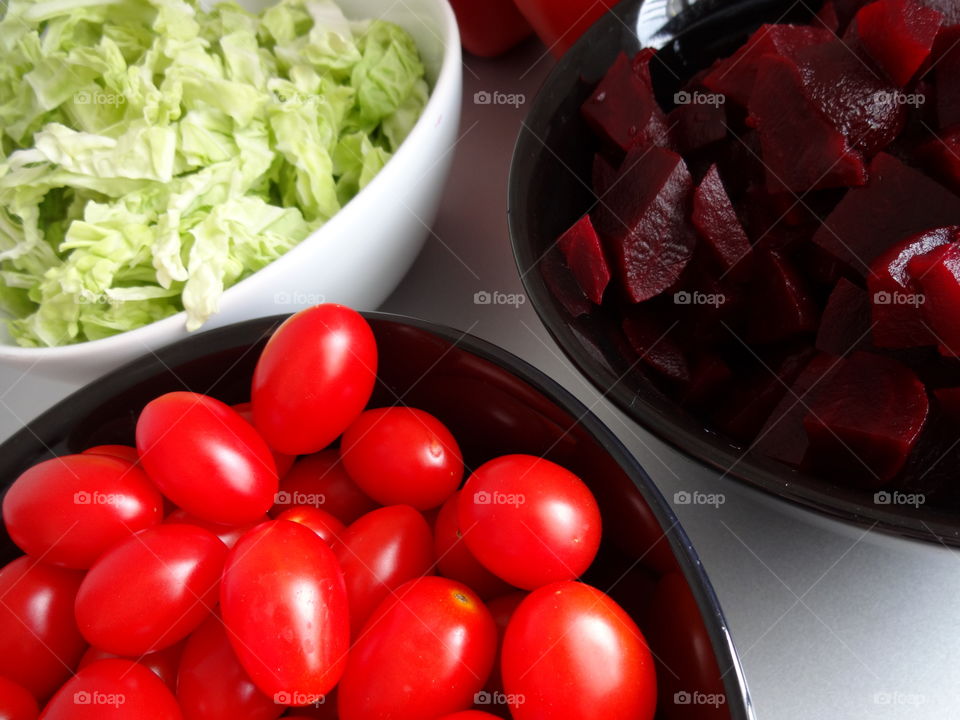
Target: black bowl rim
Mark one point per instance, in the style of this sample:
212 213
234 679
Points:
240 333
766 475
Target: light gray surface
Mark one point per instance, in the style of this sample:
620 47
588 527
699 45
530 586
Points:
832 622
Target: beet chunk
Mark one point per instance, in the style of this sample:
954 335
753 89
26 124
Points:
896 305
562 285
898 201
898 35
655 344
645 222
603 175
735 76
845 324
865 419
717 221
947 75
581 247
780 302
937 275
708 379
801 149
941 156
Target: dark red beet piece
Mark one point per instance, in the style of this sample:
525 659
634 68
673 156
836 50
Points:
949 9
603 175
717 221
708 378
847 9
898 201
699 120
562 285
801 149
949 401
897 320
780 303
865 419
845 323
581 247
645 222
941 156
656 345
937 275
898 35
947 74
735 76
827 17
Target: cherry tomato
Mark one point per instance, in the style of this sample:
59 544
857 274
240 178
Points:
151 591
282 461
212 685
325 525
163 663
39 640
571 652
454 559
122 452
16 702
114 689
206 458
320 480
378 553
228 534
501 609
285 606
315 375
529 521
425 652
402 456
71 509
469 715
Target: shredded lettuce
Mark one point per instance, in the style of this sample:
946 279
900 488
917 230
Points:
154 154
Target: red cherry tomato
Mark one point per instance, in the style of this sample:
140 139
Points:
315 375
71 509
228 534
206 458
39 640
378 553
325 525
570 652
16 702
282 461
122 452
151 591
469 715
114 689
529 521
320 480
454 559
285 606
402 456
163 663
501 609
424 653
212 685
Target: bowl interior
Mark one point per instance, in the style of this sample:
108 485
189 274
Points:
550 188
494 404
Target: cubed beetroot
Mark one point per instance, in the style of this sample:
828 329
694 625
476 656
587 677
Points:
847 9
947 76
562 285
800 147
655 343
644 221
780 303
827 17
845 323
699 122
622 110
897 321
898 201
735 76
581 247
717 221
950 10
949 401
941 156
898 35
709 377
603 175
937 275
864 420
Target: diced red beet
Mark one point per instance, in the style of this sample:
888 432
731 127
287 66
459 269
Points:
717 221
622 110
897 321
898 35
700 122
947 75
603 175
845 323
948 8
827 17
847 9
941 156
937 275
735 76
801 149
949 401
656 345
562 285
708 378
581 247
898 201
780 303
865 419
645 222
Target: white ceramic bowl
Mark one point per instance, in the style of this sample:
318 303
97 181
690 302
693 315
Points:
359 256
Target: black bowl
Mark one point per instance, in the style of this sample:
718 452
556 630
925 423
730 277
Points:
495 404
550 188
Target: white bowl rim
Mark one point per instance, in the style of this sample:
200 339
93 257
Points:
447 77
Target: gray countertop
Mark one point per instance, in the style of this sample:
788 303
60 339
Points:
832 621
